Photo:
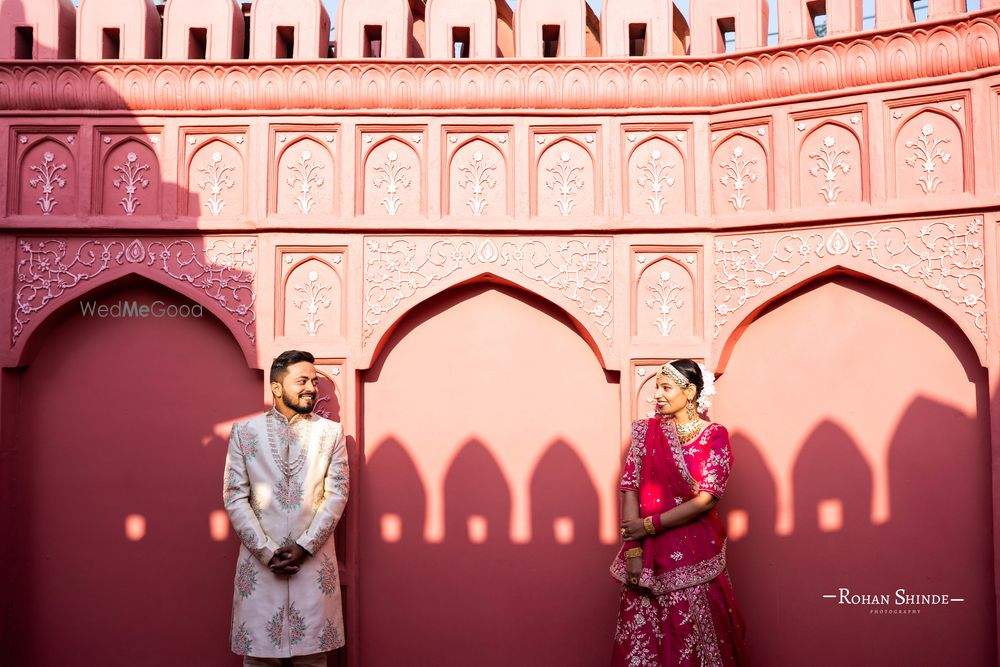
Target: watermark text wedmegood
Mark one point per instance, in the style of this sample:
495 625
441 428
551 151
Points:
134 309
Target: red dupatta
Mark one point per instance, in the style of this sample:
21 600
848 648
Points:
677 557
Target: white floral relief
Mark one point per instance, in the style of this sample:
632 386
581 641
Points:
217 176
314 295
654 175
946 257
130 177
224 269
305 178
48 179
927 152
665 295
739 171
578 270
392 176
829 160
565 181
477 178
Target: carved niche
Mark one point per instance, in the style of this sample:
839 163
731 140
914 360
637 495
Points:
927 151
45 181
741 178
215 178
831 157
129 181
310 292
565 180
656 177
666 301
390 175
478 180
303 182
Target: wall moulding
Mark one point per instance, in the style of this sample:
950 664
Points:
302 170
575 273
218 272
964 44
129 180
940 260
667 305
44 180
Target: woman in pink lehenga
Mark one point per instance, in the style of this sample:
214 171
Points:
677 603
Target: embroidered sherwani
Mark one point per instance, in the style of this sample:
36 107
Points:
273 500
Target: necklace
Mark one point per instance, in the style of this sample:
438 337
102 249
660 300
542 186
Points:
687 433
289 468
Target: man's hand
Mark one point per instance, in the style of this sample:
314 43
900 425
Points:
287 560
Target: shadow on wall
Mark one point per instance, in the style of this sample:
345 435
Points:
115 429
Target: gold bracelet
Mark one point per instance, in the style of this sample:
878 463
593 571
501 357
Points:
634 552
647 523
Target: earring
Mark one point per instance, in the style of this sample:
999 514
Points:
692 411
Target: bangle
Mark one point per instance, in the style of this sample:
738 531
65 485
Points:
647 523
635 552
658 522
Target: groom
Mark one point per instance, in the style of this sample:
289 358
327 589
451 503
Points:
285 487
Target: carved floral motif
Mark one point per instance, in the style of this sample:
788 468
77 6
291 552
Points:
48 179
313 297
306 177
739 171
477 178
654 175
577 269
130 177
664 296
564 182
927 151
392 176
945 256
224 269
217 177
830 160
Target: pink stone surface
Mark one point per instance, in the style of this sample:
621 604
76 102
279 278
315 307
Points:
490 259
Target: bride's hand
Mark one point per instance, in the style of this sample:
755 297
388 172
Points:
632 529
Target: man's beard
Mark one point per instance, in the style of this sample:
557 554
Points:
302 410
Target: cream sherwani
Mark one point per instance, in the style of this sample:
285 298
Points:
286 481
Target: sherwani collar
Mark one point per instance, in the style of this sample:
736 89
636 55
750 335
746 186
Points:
296 418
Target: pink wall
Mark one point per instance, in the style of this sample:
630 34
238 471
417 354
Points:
490 261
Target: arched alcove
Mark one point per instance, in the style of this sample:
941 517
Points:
471 390
121 432
844 386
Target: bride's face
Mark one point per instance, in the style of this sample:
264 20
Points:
670 398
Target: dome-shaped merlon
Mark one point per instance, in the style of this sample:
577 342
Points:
202 30
740 23
297 29
367 29
550 28
37 29
631 28
461 29
117 30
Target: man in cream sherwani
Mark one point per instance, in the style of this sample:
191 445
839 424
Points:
285 488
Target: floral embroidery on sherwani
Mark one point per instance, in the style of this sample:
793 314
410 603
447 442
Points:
242 644
288 493
246 578
327 577
296 625
330 638
248 441
275 626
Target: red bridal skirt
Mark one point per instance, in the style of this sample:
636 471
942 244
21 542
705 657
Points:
698 626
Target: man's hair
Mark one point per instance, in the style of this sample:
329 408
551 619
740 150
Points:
279 367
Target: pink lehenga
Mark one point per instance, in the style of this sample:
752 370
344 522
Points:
683 611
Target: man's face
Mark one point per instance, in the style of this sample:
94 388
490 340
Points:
297 390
